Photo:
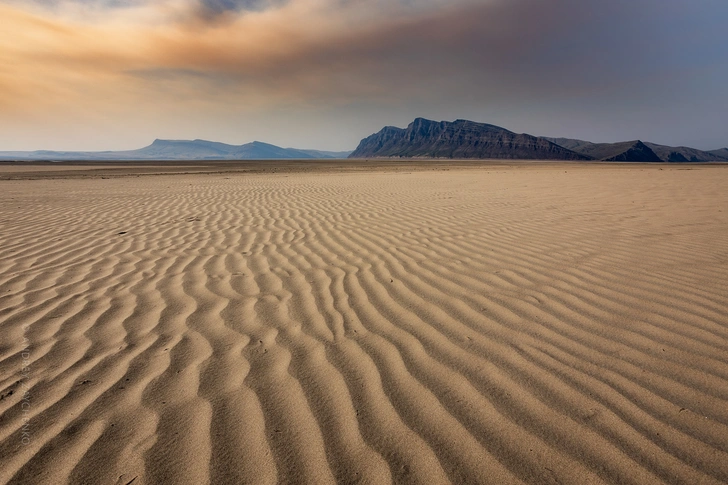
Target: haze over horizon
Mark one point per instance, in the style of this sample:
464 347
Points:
323 74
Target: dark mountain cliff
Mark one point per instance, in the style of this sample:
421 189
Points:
459 139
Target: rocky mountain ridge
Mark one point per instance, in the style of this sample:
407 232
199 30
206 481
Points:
459 139
470 140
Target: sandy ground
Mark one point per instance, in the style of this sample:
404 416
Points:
501 324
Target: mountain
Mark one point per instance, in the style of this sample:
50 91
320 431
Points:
182 150
637 151
421 139
202 149
459 139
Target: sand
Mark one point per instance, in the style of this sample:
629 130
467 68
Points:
526 323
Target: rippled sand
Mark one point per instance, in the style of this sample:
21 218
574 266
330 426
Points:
503 324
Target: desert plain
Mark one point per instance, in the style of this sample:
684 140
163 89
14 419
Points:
363 322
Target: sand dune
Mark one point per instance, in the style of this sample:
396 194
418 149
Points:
526 324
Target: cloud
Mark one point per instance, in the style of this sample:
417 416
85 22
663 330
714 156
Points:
493 59
306 44
218 7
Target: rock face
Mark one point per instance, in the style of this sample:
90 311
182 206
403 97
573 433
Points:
637 152
677 157
459 139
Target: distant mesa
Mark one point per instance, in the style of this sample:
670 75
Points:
464 139
203 149
183 150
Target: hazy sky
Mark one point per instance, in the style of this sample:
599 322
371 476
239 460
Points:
115 74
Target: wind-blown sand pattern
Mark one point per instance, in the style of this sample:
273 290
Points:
525 324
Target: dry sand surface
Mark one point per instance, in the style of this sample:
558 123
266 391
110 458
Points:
531 323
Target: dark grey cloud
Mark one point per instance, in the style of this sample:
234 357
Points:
549 48
165 74
210 8
92 3
650 69
214 10
216 7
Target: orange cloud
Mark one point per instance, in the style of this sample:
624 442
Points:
86 57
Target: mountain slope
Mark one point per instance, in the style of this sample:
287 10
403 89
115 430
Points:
628 151
459 139
570 143
721 152
326 154
683 154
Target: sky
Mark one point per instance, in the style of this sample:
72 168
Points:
116 74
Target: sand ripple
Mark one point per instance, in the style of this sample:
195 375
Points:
518 325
